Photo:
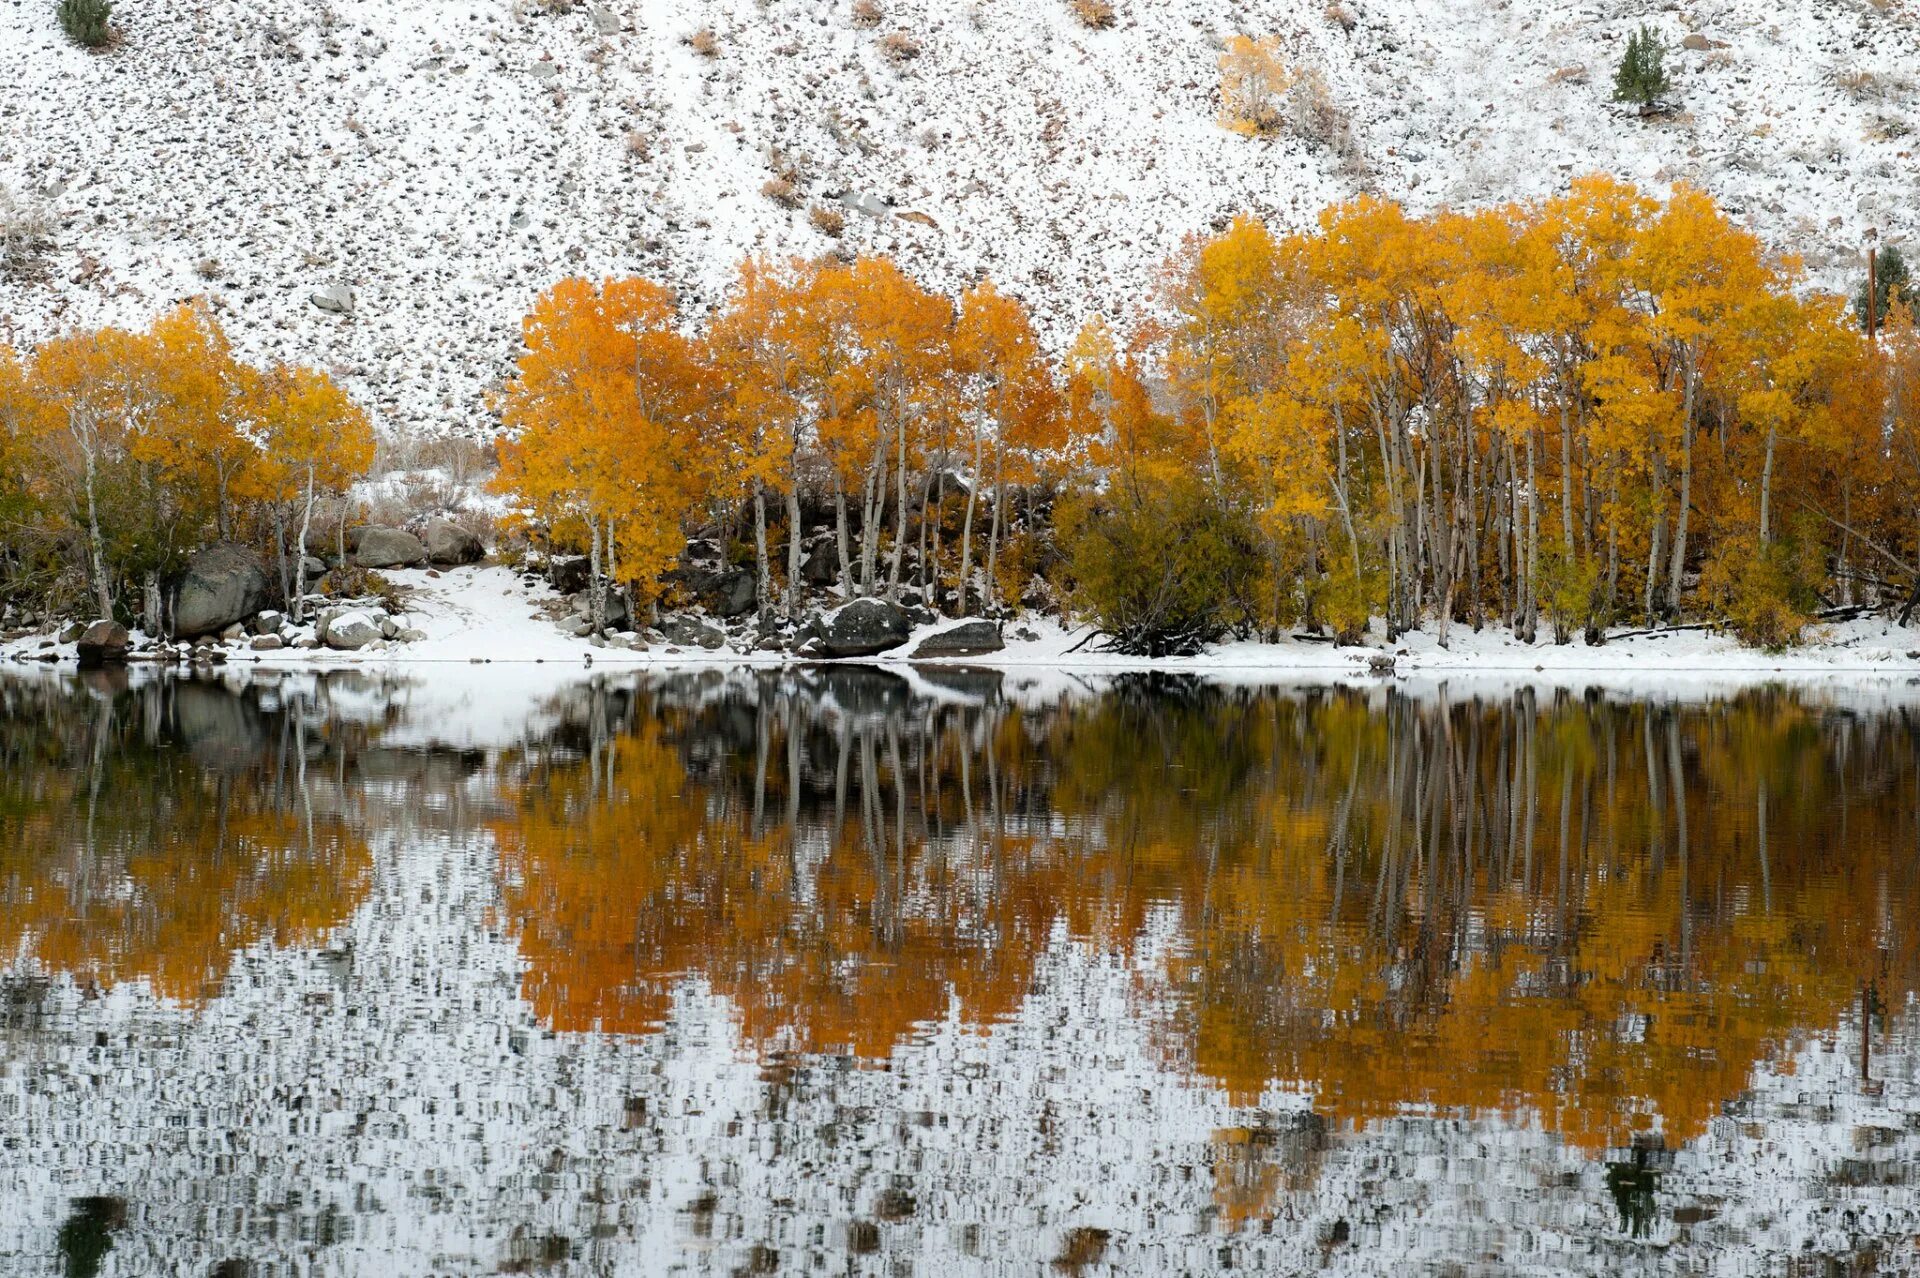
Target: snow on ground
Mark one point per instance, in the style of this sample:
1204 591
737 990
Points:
446 159
488 614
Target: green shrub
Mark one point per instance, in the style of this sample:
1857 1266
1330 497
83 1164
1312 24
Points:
1891 283
1166 573
1344 603
1567 594
1642 74
85 21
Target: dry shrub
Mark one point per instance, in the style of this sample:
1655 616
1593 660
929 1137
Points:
1095 15
1341 16
639 145
704 43
899 47
26 237
781 192
867 13
830 222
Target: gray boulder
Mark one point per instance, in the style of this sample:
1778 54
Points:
862 629
268 622
617 614
821 567
967 639
449 543
388 548
730 594
691 632
335 299
350 631
222 584
102 643
605 21
267 643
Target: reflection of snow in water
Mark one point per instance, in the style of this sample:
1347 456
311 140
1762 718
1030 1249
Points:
391 1106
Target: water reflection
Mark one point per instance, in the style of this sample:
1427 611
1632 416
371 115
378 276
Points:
822 969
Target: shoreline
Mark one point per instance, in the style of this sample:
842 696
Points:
486 616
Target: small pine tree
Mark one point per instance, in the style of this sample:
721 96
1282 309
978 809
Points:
1892 282
85 21
1642 75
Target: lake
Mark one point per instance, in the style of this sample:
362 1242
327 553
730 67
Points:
853 971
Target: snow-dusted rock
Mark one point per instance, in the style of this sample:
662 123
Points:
335 299
691 632
964 639
862 628
102 643
350 631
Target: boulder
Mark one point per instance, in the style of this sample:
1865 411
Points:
691 632
335 299
268 622
730 594
234 633
388 548
222 584
617 614
349 631
821 567
71 632
267 643
605 21
568 574
862 628
967 639
102 643
312 568
449 543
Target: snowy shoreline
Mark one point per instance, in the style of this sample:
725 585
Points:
486 615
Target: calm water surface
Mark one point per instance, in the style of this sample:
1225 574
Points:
839 971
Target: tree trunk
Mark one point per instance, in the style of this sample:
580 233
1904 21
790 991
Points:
763 570
793 546
596 590
840 536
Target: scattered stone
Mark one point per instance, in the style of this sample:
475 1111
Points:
967 639
222 584
449 543
388 627
576 627
388 548
102 643
267 643
70 633
268 622
234 633
605 21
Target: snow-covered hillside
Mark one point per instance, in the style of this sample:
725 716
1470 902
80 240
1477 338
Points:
445 159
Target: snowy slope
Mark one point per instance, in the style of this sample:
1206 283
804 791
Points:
447 159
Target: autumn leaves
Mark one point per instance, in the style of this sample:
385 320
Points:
1582 411
123 452
850 385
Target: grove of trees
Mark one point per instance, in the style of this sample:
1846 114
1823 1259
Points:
122 453
1584 411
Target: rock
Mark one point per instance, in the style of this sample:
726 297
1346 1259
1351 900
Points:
617 615
234 633
388 627
699 548
967 639
770 643
1697 42
1381 663
268 622
543 71
568 574
350 631
862 628
449 543
576 627
730 594
312 567
409 635
335 299
691 632
605 20
70 633
388 548
102 643
222 584
821 567
267 643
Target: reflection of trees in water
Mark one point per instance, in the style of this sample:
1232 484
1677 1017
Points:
154 831
1601 913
